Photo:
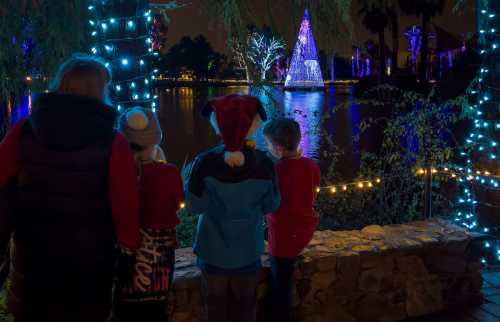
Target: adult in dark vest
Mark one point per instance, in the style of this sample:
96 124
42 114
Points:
71 196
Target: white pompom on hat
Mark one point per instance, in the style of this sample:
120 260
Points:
235 117
137 120
141 127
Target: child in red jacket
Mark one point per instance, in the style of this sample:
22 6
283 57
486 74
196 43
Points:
291 227
142 287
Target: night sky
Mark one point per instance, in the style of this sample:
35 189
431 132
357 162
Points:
191 21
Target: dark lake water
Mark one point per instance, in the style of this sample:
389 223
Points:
187 133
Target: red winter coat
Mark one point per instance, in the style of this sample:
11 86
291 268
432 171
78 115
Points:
292 226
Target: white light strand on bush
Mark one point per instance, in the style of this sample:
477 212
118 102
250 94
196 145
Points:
122 34
359 185
480 177
483 177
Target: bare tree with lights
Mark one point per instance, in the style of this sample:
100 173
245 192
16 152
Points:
240 58
264 50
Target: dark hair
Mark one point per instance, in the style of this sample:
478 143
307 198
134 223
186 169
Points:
283 131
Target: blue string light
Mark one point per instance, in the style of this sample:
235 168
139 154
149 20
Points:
122 35
480 142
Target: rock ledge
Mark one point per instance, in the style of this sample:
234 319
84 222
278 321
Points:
377 274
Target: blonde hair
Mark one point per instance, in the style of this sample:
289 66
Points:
83 75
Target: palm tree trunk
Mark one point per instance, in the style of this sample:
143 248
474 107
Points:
424 54
332 67
395 41
247 72
381 42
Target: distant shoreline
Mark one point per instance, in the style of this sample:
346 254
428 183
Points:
166 83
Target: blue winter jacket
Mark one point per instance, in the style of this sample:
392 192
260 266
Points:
232 203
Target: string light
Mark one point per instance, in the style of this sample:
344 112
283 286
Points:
480 141
484 177
345 187
123 40
439 172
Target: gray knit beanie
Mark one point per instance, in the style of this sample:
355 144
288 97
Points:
141 127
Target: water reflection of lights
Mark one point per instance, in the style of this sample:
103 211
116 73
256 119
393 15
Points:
186 91
182 120
306 109
30 101
21 110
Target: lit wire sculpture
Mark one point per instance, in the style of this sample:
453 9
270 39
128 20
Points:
305 70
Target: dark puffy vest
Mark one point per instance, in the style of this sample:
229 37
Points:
64 240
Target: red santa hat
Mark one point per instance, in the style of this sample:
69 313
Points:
235 115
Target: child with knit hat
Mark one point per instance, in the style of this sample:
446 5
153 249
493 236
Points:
232 187
141 290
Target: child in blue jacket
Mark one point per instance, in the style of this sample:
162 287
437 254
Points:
232 186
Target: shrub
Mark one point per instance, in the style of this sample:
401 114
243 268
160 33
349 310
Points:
416 131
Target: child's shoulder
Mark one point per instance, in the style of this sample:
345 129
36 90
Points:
301 165
310 162
162 167
300 162
210 155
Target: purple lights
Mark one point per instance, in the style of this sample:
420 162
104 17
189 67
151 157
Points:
414 37
305 71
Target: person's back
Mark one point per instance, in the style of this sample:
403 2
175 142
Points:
62 191
231 228
62 215
291 227
161 195
232 187
142 287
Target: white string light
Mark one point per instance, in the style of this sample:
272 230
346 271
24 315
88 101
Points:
360 184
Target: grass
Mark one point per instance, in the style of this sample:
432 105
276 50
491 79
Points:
186 229
4 315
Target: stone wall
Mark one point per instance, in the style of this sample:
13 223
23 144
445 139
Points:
378 274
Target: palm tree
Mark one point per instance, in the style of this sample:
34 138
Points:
393 13
375 18
427 9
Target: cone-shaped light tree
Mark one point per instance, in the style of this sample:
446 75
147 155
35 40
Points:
305 70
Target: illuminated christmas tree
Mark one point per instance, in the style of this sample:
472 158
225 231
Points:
305 70
122 33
